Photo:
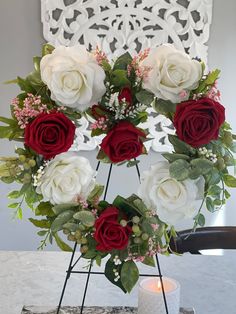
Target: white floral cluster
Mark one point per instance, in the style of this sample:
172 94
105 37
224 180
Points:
40 172
122 110
207 153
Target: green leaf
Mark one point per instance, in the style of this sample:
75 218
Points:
119 78
8 180
212 77
10 122
19 213
61 219
103 204
180 146
172 156
129 275
58 209
47 49
147 228
36 61
109 273
44 223
179 169
200 220
71 226
122 62
149 260
96 193
14 194
127 207
164 106
227 194
144 97
13 205
98 260
25 85
203 165
132 163
229 180
42 233
86 217
5 131
213 177
61 244
210 205
44 209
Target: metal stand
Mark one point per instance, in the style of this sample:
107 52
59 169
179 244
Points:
90 272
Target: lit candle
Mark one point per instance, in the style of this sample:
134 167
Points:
150 296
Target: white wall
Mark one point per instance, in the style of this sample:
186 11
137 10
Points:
21 39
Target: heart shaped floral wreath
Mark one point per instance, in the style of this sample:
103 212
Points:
60 185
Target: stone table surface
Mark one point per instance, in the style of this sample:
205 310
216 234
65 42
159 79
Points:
208 283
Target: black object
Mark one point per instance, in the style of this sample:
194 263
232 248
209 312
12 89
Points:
207 238
90 272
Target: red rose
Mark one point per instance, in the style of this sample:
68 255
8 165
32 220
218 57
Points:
197 122
109 234
125 94
123 142
50 134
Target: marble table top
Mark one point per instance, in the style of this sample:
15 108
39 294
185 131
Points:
208 283
90 310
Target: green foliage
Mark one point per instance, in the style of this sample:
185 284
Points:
60 208
44 223
61 244
200 220
144 97
149 261
122 62
179 169
119 78
44 209
203 166
96 193
207 82
47 49
229 180
173 156
127 206
109 273
129 275
164 106
61 219
180 146
85 217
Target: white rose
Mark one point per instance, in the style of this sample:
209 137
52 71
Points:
173 73
73 76
173 200
67 178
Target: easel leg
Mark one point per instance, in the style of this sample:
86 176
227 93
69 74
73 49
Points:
66 279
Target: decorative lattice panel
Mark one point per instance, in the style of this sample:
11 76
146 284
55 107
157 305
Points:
120 25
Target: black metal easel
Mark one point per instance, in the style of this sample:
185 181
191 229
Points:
72 264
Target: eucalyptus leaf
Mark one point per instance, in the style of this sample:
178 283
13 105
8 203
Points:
179 169
58 209
144 97
203 165
44 209
172 156
129 275
180 146
85 217
164 106
61 219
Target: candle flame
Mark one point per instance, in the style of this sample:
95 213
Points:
159 285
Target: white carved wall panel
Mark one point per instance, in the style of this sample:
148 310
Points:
120 25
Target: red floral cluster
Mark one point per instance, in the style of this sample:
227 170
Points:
197 122
109 234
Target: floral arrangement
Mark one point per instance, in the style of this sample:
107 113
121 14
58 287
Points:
60 186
